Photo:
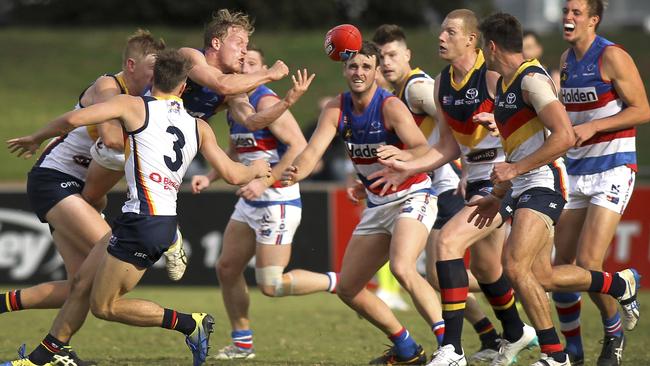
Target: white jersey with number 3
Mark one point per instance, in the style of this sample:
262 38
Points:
160 152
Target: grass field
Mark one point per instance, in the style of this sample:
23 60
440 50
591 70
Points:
44 70
310 330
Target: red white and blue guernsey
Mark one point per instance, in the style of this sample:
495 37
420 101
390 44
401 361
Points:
200 101
366 132
587 97
262 144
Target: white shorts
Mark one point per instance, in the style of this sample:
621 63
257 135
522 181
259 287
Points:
421 206
108 158
611 189
275 224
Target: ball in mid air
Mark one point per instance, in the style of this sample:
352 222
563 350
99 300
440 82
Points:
342 42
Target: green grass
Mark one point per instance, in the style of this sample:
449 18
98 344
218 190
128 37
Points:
44 70
310 330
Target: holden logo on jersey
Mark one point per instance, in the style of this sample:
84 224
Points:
578 95
363 151
240 140
471 93
511 98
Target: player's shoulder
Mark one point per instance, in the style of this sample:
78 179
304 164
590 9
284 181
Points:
615 53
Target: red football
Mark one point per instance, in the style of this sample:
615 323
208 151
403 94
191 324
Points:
342 42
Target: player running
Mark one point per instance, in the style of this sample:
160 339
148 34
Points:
605 99
264 221
415 88
163 139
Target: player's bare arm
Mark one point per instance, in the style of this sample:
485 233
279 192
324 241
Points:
232 172
419 96
286 129
619 67
229 84
319 142
242 112
110 131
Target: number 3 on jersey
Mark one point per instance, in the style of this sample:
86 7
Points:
176 164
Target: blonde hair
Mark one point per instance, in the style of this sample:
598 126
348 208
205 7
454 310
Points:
222 20
140 44
470 21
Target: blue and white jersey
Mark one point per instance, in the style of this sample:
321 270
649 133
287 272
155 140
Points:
262 144
587 97
200 101
159 153
366 132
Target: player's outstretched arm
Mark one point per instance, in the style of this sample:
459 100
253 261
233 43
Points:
120 107
325 132
230 84
232 172
619 67
242 112
110 131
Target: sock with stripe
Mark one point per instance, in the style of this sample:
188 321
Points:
502 299
606 283
439 331
550 344
405 346
612 326
568 306
242 339
181 322
486 333
334 281
454 286
10 301
44 352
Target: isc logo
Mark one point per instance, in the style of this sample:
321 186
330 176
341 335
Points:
363 151
579 95
243 140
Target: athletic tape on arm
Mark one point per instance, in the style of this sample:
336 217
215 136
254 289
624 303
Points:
540 92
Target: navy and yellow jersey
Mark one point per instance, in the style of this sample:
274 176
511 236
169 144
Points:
200 101
459 103
522 133
426 123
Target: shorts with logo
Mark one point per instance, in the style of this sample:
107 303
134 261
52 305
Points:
274 224
611 189
478 188
141 239
448 206
540 199
47 187
108 158
420 205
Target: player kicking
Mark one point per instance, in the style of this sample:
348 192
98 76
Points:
415 88
264 221
526 110
605 99
464 93
393 227
163 139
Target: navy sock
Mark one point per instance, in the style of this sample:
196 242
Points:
44 352
10 301
502 298
454 286
181 322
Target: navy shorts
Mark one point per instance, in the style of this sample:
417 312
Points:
544 200
478 188
141 239
448 206
47 187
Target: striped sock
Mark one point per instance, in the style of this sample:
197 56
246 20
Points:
613 326
568 306
454 286
44 352
439 331
181 322
10 301
334 281
486 332
405 346
502 298
242 339
550 344
606 283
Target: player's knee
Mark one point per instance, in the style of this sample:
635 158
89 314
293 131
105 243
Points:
514 271
483 271
272 282
402 271
226 271
432 278
101 309
446 246
590 262
98 203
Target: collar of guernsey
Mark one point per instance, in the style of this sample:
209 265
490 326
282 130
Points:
480 60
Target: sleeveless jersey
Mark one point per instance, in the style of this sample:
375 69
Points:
200 101
160 152
262 144
587 97
362 135
459 103
522 133
443 178
70 153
